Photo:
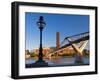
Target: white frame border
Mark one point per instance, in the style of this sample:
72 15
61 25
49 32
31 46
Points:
52 70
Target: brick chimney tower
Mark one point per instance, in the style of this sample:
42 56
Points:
57 40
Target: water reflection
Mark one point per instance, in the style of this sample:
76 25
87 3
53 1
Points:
59 61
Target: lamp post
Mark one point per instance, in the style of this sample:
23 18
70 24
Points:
41 24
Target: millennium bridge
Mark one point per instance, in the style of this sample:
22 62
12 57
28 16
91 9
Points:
72 41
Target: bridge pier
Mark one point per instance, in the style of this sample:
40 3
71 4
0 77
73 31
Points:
79 59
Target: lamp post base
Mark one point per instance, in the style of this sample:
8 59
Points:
37 64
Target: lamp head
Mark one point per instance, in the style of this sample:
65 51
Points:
41 23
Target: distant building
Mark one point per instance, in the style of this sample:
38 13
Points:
57 40
44 51
26 51
27 54
53 49
66 51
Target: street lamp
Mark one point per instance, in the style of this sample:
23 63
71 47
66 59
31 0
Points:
41 24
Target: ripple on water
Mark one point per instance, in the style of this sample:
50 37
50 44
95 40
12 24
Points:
59 61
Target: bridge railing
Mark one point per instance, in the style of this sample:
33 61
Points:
74 37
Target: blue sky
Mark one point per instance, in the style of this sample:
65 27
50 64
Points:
66 24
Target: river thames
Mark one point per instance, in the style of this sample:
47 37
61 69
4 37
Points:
59 61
